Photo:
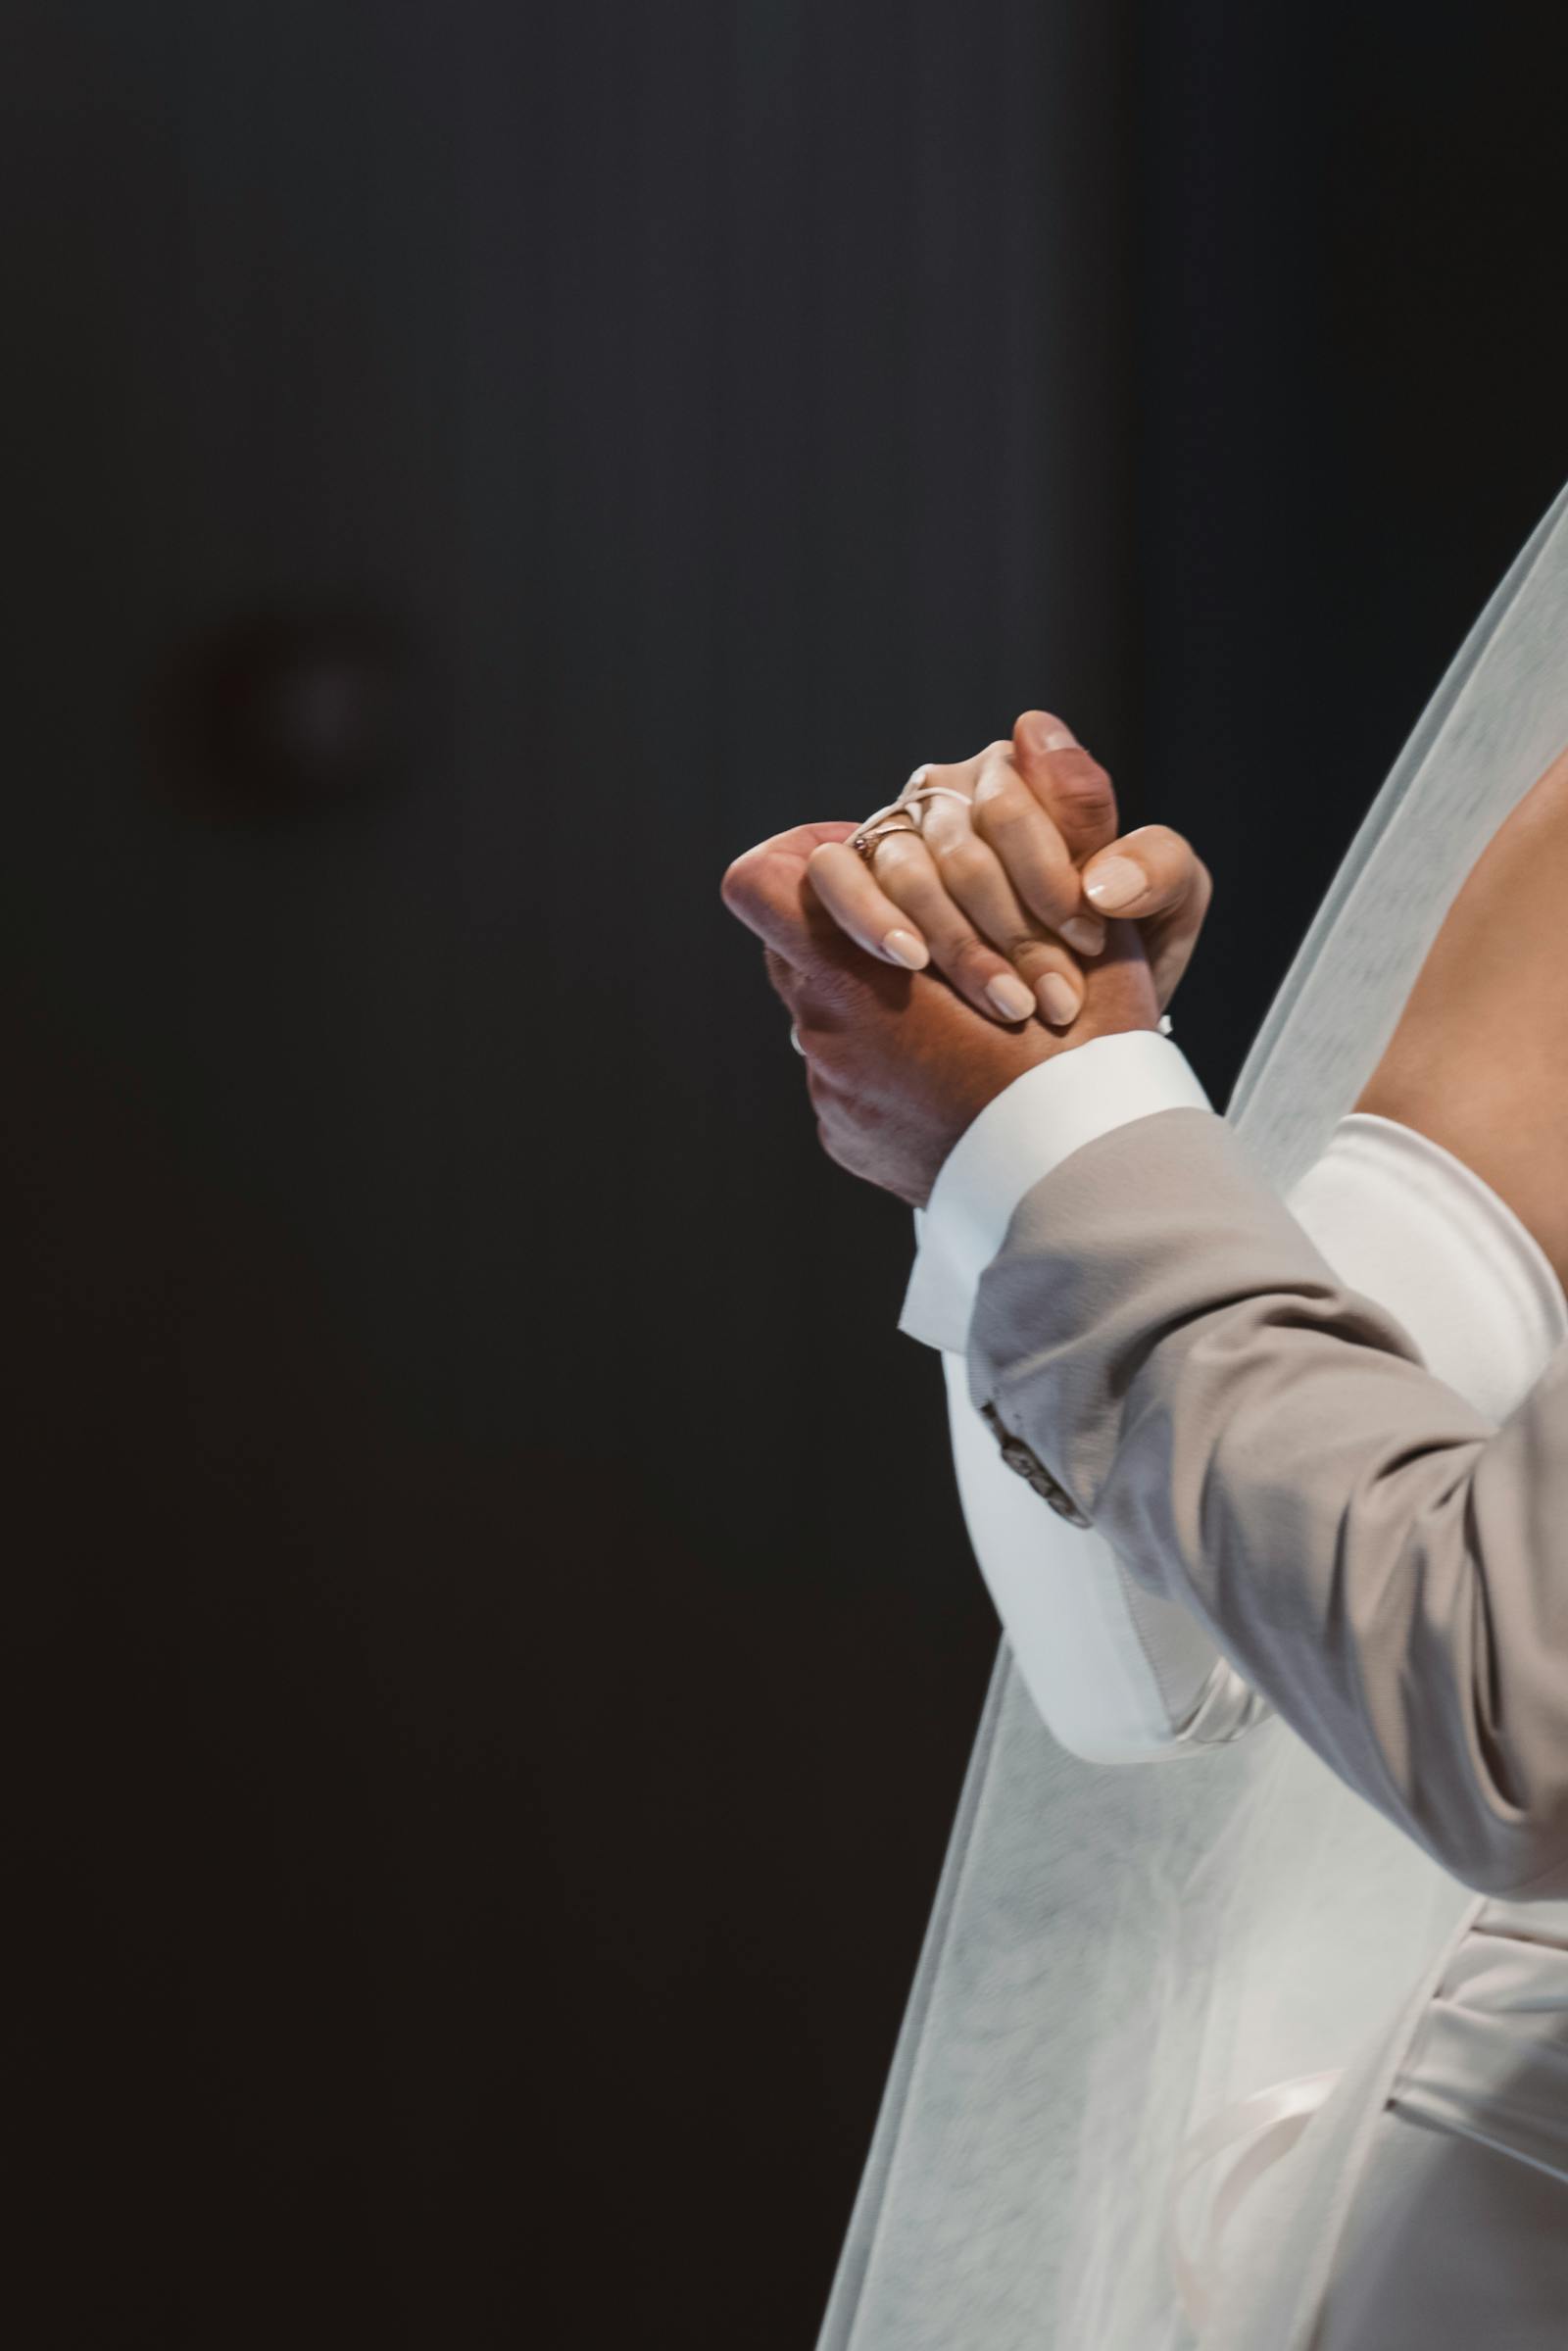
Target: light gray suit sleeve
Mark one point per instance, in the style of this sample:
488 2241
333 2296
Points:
1263 1443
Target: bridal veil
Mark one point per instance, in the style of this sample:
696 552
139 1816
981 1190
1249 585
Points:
1115 1950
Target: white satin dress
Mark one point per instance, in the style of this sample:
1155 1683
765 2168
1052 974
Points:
1423 2187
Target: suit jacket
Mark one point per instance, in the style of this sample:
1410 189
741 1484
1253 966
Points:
1161 1347
1163 1352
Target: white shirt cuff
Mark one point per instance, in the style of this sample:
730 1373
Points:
1024 1132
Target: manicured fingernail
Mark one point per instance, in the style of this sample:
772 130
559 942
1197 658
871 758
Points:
1058 999
1115 884
1046 734
907 950
1085 933
1011 996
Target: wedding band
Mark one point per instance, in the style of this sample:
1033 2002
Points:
866 841
883 822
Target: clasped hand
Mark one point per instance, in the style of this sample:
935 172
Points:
1014 890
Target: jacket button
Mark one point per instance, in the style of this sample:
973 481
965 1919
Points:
1029 1466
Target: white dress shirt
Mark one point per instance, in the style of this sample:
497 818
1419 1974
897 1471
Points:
1020 1135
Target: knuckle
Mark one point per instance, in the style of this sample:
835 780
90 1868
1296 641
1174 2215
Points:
1159 847
1086 791
1000 800
1051 893
968 957
896 855
1174 866
964 860
1030 953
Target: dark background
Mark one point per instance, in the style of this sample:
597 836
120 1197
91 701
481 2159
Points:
491 1642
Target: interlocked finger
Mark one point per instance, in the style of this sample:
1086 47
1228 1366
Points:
1001 927
977 882
1028 849
906 871
980 936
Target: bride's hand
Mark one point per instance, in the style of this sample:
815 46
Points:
999 892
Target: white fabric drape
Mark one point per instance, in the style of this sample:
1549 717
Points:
1117 1950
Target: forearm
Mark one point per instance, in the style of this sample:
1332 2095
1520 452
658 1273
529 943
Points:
1262 1444
1120 1672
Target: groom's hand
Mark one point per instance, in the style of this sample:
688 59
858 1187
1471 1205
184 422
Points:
897 1064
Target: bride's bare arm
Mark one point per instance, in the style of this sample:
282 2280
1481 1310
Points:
1479 1061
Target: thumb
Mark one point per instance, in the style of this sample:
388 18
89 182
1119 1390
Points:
767 887
1153 877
